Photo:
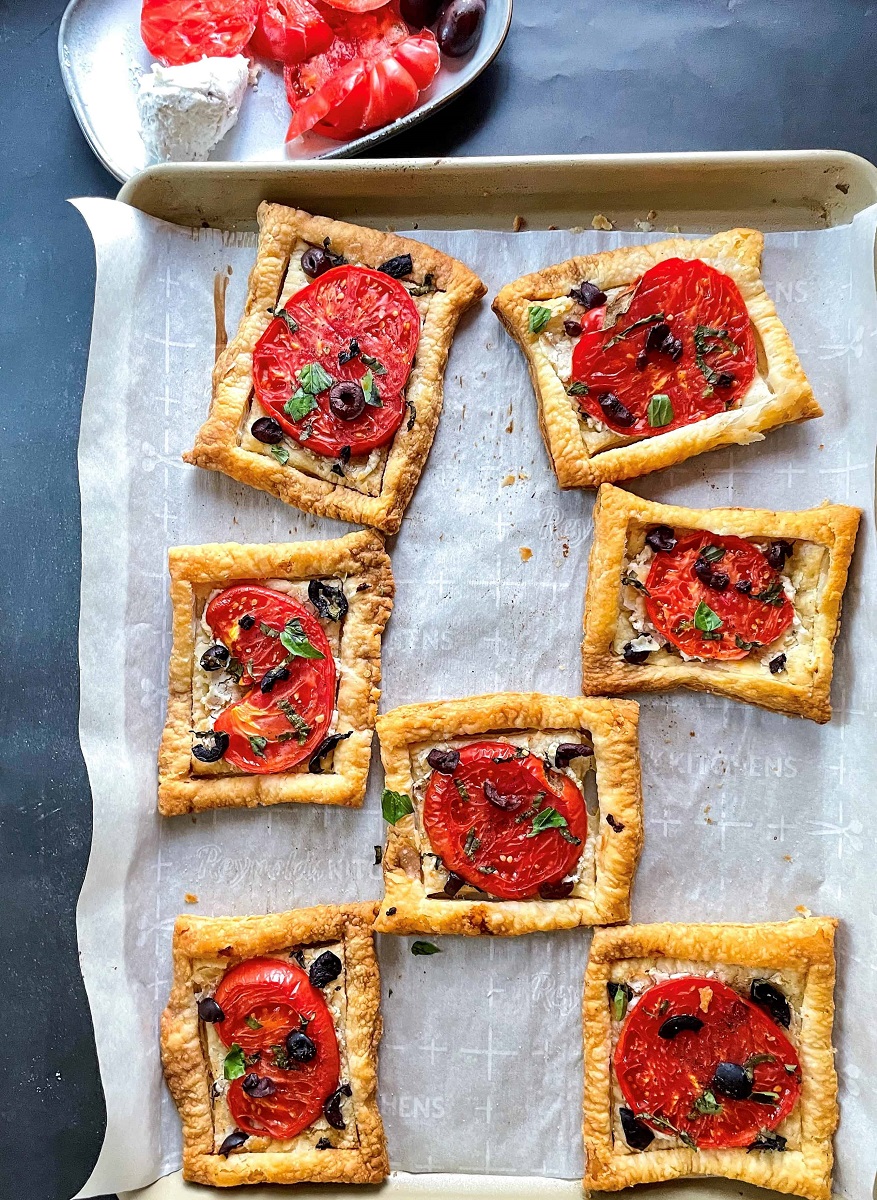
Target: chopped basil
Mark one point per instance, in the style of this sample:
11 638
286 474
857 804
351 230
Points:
314 379
252 1023
577 388
461 790
234 668
547 818
685 1138
370 390
742 644
755 1060
712 554
538 317
281 454
660 410
472 843
705 620
267 631
300 727
376 365
234 1066
281 1058
412 416
284 316
773 594
299 404
571 837
295 641
706 340
706 1105
423 289
395 806
257 744
619 998
638 324
420 948
637 584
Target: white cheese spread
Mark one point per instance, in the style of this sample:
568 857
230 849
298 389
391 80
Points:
186 110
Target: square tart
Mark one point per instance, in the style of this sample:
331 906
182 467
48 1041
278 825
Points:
373 489
204 948
585 456
795 956
358 564
609 782
814 577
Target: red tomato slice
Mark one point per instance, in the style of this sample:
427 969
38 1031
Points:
692 296
469 833
278 997
674 593
665 1077
344 304
290 31
419 55
295 715
357 6
182 31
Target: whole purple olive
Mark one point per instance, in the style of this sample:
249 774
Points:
419 13
459 26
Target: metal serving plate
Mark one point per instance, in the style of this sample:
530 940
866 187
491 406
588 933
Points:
102 56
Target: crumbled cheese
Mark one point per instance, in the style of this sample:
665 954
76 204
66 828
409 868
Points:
644 642
186 110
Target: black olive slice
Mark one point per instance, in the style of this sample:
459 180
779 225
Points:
315 762
772 1000
276 675
209 1010
615 410
211 747
635 657
349 352
453 883
267 430
495 797
444 761
588 295
682 1023
637 1135
777 665
235 1139
215 657
316 260
332 1108
657 335
567 751
258 1086
346 400
323 1144
325 968
725 380
557 891
743 586
732 1080
247 621
767 1140
572 327
300 1047
397 267
777 553
330 602
661 537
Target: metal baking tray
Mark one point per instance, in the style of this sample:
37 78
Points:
771 190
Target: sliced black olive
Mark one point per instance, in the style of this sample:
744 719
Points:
330 602
641 361
772 1000
323 1144
397 267
615 410
267 430
325 968
419 13
732 1080
444 761
657 335
214 657
567 751
315 762
344 455
494 796
673 347
247 621
637 1135
572 327
767 1140
634 657
453 883
209 1010
299 1047
717 580
349 352
725 380
588 295
777 553
557 891
332 1109
614 823
777 665
258 1086
318 259
661 538
346 400
764 1097
743 586
683 1023
275 675
299 958
459 26
236 1138
211 747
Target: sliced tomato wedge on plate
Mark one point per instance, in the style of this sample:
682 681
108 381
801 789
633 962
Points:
290 31
182 31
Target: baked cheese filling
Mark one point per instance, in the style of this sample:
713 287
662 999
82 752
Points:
363 472
506 816
273 1032
704 1055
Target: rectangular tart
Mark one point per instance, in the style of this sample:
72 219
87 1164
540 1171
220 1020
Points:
538 310
637 973
349 1149
372 488
603 773
623 651
355 567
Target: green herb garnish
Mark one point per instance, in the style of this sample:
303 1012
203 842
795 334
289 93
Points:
395 806
705 620
660 410
420 948
577 388
712 554
742 644
257 744
300 728
461 790
619 998
314 379
252 1023
299 404
233 1065
547 818
295 641
284 316
472 843
706 1105
773 594
281 1058
377 367
618 337
281 454
370 390
538 317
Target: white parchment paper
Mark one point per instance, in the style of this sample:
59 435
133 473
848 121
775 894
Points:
748 814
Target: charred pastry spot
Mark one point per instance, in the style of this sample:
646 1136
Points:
588 295
682 1023
611 821
637 1135
660 538
443 761
614 410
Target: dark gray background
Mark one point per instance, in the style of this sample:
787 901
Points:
574 76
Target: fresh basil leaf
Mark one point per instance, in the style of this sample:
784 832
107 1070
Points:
638 324
376 365
295 642
281 1058
773 594
314 379
252 1023
281 454
257 744
712 554
472 844
619 998
577 388
299 404
538 317
705 619
395 806
706 1105
660 410
284 316
547 818
233 1065
424 948
370 390
706 340
268 631
300 727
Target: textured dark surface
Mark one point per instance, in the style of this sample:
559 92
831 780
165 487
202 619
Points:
574 76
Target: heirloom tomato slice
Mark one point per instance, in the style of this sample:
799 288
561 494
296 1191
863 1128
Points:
182 31
290 31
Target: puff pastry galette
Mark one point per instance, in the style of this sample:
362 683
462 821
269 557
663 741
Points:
509 814
270 1044
644 356
736 601
708 1052
330 394
274 672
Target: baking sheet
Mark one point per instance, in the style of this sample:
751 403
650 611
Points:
748 814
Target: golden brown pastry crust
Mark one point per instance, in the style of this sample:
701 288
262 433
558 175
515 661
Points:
617 513
186 1068
358 556
737 253
612 725
217 445
806 946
